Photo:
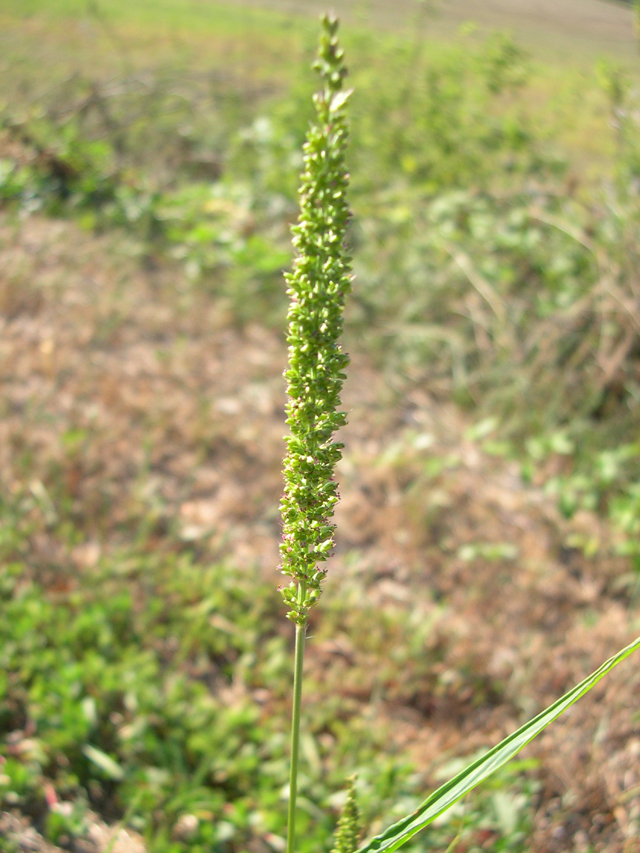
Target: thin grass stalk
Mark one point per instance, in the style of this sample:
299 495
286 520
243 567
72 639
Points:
301 631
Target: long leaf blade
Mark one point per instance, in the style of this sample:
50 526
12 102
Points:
449 793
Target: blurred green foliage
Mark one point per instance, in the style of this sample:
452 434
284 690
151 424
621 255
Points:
141 694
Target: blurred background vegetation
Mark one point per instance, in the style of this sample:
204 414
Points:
149 158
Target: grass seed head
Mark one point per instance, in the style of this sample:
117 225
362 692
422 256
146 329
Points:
348 831
316 287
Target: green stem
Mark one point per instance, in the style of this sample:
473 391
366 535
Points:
295 728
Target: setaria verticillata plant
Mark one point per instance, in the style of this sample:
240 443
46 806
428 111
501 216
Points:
317 288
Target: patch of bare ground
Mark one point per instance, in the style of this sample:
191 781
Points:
17 831
133 406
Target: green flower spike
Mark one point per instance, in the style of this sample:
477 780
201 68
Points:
317 287
348 831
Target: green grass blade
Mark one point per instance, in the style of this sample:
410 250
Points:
110 767
467 779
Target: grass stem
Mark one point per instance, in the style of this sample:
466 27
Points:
301 631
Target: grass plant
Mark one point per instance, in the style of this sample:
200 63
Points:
317 289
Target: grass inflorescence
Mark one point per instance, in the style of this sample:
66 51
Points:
317 288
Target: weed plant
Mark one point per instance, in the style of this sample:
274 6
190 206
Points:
317 289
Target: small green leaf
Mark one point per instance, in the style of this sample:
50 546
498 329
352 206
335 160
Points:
108 766
477 771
